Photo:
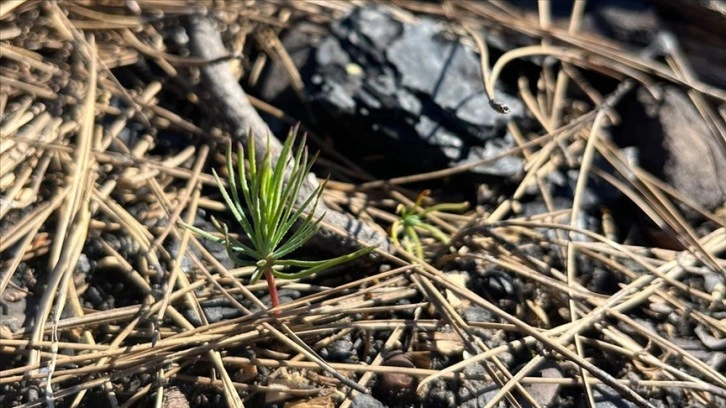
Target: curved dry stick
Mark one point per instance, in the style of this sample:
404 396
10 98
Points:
236 111
485 74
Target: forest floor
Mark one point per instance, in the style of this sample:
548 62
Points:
543 187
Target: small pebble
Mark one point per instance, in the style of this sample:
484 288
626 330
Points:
366 401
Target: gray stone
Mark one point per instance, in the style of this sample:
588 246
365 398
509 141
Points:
606 397
675 144
365 401
13 312
545 393
410 93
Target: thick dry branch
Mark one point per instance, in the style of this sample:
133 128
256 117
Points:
222 90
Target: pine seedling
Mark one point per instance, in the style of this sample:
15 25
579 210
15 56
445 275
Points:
272 225
414 218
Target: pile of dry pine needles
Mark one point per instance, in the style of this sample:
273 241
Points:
67 179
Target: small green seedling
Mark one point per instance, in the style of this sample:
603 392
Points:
413 218
267 214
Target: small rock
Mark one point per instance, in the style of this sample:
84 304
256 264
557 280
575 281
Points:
545 393
84 265
366 401
13 313
414 94
438 395
501 282
448 343
606 397
675 145
397 384
476 393
340 350
477 314
216 314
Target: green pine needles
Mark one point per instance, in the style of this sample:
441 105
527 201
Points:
267 214
414 218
